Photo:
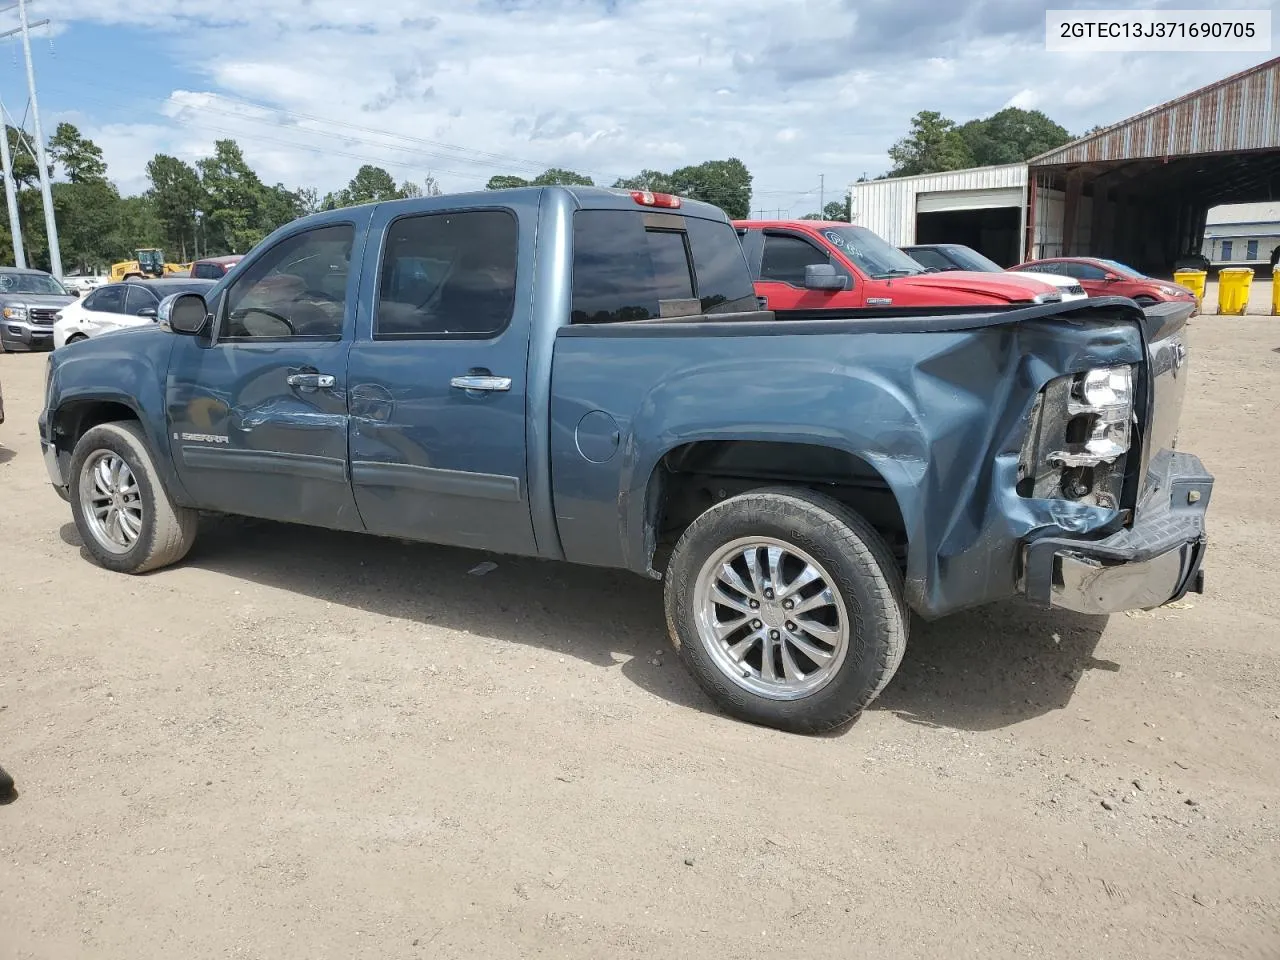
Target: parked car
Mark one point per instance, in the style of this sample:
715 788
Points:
214 268
590 380
81 283
29 302
944 257
813 265
1108 278
117 306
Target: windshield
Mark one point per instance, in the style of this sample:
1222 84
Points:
1124 269
31 283
873 256
970 259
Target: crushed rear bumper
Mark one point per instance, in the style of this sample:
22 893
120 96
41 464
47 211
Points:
1155 561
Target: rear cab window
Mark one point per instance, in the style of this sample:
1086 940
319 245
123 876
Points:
632 265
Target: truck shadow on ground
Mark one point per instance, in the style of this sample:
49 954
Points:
6 454
979 670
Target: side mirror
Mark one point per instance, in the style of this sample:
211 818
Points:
822 276
148 312
75 293
185 313
1111 277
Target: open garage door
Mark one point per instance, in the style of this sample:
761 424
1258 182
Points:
949 201
988 220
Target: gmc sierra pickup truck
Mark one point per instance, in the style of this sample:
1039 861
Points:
583 374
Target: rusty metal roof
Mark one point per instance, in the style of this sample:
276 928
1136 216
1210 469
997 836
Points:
1241 112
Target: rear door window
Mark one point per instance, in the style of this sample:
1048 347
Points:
107 300
448 275
642 266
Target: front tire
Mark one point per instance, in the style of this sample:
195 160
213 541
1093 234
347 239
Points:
125 517
787 608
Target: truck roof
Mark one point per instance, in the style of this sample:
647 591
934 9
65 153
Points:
587 198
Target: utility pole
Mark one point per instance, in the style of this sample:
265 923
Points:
11 193
51 225
822 194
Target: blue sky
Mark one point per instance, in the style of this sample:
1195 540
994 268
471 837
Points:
461 91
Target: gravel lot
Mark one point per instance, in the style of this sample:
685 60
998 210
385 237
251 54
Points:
301 744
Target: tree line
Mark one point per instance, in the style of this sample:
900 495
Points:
220 205
724 183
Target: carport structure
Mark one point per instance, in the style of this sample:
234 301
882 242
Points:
1139 191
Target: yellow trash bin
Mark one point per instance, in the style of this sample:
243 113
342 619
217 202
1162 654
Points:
1233 290
1193 280
1275 290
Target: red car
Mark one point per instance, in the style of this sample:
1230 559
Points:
1107 278
818 265
214 268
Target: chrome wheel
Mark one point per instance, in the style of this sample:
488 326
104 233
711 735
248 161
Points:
111 501
770 618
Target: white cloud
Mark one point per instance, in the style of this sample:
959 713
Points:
606 87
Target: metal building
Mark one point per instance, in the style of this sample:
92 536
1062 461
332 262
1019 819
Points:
1137 191
984 208
1243 235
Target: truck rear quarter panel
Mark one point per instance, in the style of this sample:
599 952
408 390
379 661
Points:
937 405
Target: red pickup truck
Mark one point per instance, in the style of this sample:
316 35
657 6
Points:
818 265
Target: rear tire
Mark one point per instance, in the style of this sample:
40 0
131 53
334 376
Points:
125 517
797 577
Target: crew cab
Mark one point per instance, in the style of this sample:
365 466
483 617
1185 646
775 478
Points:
583 374
818 265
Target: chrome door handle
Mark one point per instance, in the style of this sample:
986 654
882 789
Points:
323 380
474 382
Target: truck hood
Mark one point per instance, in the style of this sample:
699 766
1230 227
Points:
35 300
1001 288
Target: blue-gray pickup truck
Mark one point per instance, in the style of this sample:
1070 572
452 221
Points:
585 375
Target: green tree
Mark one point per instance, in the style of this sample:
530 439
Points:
834 210
241 210
934 144
137 225
652 180
725 183
22 152
558 176
177 197
80 159
370 185
505 182
550 177
88 213
1011 136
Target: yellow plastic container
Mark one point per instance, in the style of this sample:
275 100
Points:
1275 290
1233 290
1193 280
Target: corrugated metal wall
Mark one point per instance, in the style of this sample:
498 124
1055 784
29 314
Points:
1241 112
888 207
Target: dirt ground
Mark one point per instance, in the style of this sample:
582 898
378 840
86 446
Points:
301 744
